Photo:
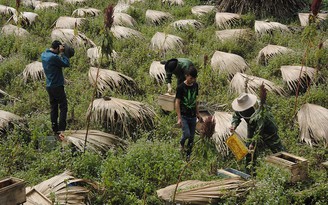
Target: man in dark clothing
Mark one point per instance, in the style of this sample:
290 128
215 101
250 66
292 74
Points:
178 67
187 109
53 60
265 128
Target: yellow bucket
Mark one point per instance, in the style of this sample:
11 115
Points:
237 146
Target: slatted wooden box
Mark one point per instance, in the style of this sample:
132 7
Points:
12 191
166 102
298 166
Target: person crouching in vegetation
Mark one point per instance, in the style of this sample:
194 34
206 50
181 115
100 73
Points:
53 60
187 109
178 67
261 128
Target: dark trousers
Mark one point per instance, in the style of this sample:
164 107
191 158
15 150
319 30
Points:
273 142
57 98
188 132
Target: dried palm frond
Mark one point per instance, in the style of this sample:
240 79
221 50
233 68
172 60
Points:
270 51
174 2
201 10
225 20
230 34
238 82
291 74
28 3
121 7
34 197
25 18
94 54
34 71
65 189
267 27
97 141
304 18
130 1
185 24
222 132
67 36
45 5
312 121
122 116
204 192
84 12
109 80
14 30
120 32
164 42
74 1
157 71
7 119
123 19
69 22
157 17
228 62
7 10
208 127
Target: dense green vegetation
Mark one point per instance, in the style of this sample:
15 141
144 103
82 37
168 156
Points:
132 176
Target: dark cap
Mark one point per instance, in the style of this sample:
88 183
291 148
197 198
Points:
192 72
55 44
170 65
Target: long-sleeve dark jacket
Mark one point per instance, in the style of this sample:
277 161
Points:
52 65
180 70
265 129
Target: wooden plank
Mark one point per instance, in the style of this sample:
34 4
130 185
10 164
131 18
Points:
12 191
293 156
279 161
34 197
166 102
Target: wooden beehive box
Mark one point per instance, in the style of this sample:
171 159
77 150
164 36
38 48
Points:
204 114
298 166
12 191
166 102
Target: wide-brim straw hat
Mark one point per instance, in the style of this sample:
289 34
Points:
244 102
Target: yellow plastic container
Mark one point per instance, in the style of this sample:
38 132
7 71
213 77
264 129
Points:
237 146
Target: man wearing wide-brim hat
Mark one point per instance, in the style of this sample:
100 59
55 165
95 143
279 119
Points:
264 127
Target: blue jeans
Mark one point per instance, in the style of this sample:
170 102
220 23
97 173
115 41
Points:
188 132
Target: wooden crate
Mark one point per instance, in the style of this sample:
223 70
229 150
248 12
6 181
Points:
166 102
298 166
204 114
12 191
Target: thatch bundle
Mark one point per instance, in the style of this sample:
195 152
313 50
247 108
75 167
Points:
201 10
267 27
69 22
121 32
304 18
123 19
7 10
157 17
68 36
270 51
2 58
14 30
230 34
97 141
38 5
222 131
164 42
239 81
121 7
226 20
292 75
84 12
109 80
74 1
94 54
157 71
204 192
228 62
312 121
122 116
25 18
65 189
185 24
174 2
33 71
7 119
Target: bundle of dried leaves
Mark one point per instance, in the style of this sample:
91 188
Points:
208 127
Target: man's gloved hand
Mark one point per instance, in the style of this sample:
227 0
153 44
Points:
169 88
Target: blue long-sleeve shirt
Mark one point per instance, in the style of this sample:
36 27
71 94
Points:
52 65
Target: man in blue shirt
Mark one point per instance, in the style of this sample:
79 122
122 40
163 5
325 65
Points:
53 60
